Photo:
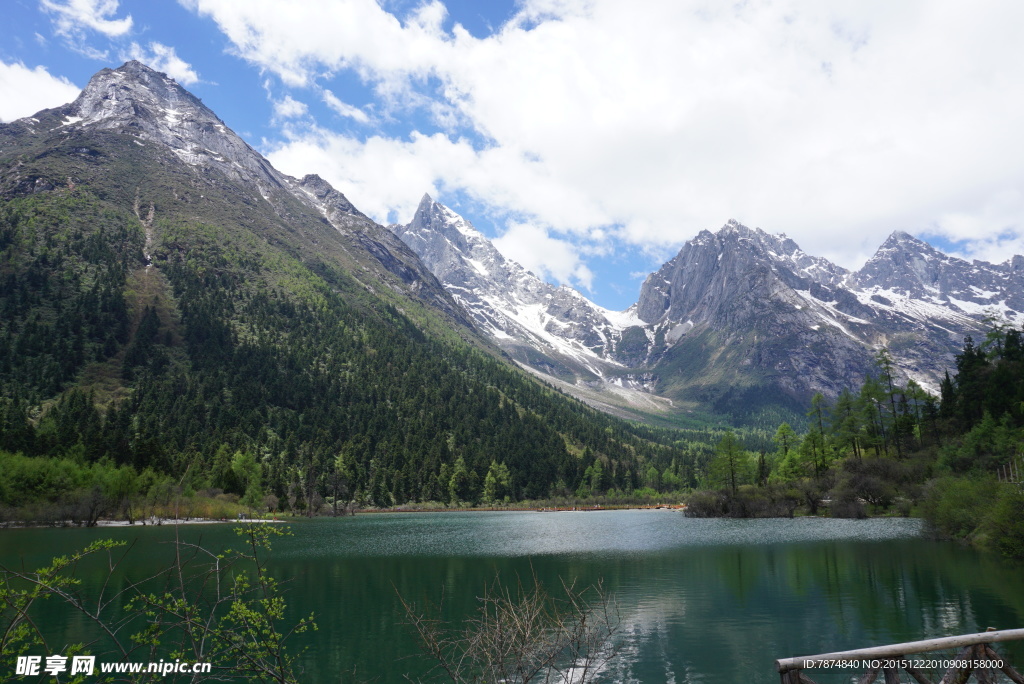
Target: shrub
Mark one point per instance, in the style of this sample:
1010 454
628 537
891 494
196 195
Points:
956 507
1006 522
706 505
523 633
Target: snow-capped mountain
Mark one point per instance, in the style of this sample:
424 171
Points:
517 309
736 318
776 317
153 107
905 267
161 118
553 330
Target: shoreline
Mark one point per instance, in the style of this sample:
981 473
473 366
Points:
524 509
286 518
148 522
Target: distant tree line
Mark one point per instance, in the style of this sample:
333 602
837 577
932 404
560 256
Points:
892 447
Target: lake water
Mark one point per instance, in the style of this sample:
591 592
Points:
698 600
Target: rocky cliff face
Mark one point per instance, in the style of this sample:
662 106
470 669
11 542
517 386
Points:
541 325
907 268
173 129
737 313
580 347
806 325
737 259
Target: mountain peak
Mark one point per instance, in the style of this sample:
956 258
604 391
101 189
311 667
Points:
137 94
902 247
909 265
139 101
900 238
535 322
424 209
734 226
134 66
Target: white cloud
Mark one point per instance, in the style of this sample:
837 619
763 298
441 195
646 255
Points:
834 122
343 108
24 91
375 174
289 108
379 173
992 233
549 258
164 58
72 16
293 40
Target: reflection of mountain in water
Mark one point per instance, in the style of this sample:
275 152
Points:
725 613
689 612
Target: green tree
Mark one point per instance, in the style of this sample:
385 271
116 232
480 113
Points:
730 466
343 479
886 367
497 483
847 424
816 437
459 483
872 401
785 437
249 474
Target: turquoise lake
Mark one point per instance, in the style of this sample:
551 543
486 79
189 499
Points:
698 600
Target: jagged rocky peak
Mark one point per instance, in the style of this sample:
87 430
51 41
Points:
327 197
134 94
909 266
903 245
430 214
426 205
436 217
447 243
151 106
714 266
536 322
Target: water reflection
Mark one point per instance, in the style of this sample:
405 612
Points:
699 600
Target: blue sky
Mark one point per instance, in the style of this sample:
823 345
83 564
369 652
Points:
591 138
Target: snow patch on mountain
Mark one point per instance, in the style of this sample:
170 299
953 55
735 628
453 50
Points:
908 296
536 322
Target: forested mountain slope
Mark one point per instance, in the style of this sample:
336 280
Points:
171 301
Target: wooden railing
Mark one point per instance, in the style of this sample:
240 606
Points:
1012 472
975 658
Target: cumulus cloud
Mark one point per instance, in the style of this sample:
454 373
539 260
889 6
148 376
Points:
294 40
163 58
25 91
991 233
377 174
289 108
547 257
833 122
71 17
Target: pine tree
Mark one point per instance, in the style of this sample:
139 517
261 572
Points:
729 467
